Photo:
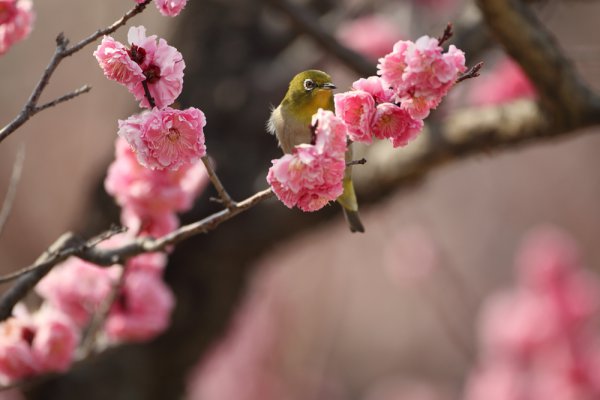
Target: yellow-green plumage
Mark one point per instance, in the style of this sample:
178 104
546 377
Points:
290 122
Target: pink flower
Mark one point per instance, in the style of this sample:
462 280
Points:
370 35
142 310
356 108
152 195
76 288
421 74
170 8
506 82
392 122
55 341
166 139
312 175
162 66
116 62
16 358
375 86
16 21
149 224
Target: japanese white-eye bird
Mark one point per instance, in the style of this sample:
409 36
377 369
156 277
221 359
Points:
291 123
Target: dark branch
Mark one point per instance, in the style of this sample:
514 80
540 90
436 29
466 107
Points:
224 197
471 73
148 94
447 34
362 161
62 99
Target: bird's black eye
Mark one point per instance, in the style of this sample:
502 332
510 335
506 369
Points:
309 84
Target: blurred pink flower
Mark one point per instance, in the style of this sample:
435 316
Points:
142 310
170 8
76 288
356 108
505 83
312 175
16 21
149 224
539 340
394 123
16 358
167 138
162 66
116 62
56 339
371 35
420 73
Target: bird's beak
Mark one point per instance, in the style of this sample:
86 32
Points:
328 85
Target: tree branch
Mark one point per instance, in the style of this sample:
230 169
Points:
564 96
307 22
62 51
224 197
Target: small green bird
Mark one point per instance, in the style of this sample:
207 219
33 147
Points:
291 123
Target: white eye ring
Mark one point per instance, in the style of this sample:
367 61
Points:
309 84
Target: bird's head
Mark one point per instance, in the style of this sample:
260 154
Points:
309 91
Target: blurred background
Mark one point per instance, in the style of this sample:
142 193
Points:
278 304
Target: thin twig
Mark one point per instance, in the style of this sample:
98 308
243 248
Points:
362 161
148 94
11 192
62 99
224 197
471 73
62 51
447 34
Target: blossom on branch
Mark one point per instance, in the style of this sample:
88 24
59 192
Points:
167 138
170 8
394 123
16 21
311 176
420 73
147 61
357 109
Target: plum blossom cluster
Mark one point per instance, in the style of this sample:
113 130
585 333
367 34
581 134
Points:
151 199
16 21
413 79
164 137
311 176
168 8
36 343
539 340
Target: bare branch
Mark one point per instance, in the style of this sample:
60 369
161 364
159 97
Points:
362 161
471 73
147 94
28 281
224 197
62 50
15 178
447 34
62 99
307 22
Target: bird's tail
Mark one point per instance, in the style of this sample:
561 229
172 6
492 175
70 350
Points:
349 204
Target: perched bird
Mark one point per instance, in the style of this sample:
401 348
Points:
291 123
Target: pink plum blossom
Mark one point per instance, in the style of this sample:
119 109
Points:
77 288
420 73
370 35
356 108
167 138
16 21
162 66
505 83
312 175
376 87
55 341
115 60
170 8
16 358
394 123
539 339
150 198
142 310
